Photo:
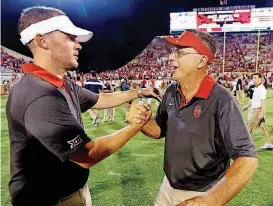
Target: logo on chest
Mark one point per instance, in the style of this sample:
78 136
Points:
197 111
74 142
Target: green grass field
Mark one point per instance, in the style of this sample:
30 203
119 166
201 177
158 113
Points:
132 176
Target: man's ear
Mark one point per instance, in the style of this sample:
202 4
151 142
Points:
202 62
41 41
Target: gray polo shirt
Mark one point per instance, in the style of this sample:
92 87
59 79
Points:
46 130
201 136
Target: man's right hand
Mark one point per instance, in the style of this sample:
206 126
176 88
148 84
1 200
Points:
140 114
96 150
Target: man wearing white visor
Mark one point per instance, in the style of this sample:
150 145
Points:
50 151
61 23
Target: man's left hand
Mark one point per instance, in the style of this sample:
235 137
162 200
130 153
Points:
152 93
196 201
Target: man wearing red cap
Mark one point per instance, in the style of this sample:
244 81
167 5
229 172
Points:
204 129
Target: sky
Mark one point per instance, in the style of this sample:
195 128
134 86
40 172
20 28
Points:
122 28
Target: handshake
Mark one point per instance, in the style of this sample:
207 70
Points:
139 114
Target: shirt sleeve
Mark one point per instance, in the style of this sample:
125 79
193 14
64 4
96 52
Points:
263 94
234 132
49 120
87 98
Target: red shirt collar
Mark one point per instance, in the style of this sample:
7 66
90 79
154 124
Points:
43 74
204 89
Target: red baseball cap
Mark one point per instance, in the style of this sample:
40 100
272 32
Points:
189 39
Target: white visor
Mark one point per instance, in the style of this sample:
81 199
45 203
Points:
61 23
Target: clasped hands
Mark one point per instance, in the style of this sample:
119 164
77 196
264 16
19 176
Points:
140 114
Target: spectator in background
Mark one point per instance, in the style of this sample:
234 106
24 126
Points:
239 90
113 82
95 86
234 86
258 105
108 113
249 93
125 87
112 110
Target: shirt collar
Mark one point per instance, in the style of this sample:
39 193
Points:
204 89
43 74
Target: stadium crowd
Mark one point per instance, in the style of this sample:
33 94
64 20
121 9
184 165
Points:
11 62
153 63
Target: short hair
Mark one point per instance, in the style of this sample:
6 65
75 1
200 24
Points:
93 73
208 39
35 14
258 74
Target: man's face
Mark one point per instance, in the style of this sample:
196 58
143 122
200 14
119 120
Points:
256 80
185 61
64 50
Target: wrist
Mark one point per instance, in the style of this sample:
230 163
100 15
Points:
136 126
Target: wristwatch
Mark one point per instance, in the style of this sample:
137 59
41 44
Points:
139 91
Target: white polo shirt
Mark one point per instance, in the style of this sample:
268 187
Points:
258 95
158 83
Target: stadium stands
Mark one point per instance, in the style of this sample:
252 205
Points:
240 57
152 62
